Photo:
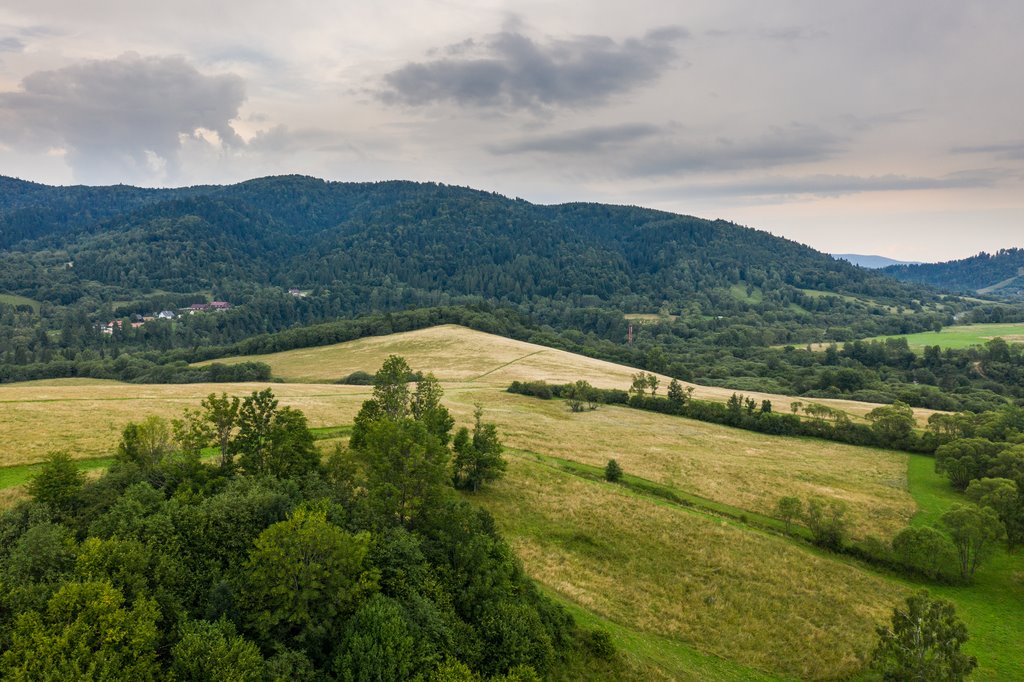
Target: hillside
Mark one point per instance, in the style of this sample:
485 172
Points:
356 248
998 274
747 602
458 354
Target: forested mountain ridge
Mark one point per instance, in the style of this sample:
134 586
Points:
429 238
85 269
999 274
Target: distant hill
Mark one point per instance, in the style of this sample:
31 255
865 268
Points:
871 262
996 274
392 245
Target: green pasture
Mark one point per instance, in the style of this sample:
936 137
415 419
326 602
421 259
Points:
963 336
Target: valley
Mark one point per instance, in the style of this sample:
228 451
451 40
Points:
709 577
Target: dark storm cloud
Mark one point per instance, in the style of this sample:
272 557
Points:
583 141
509 69
1010 150
122 118
780 146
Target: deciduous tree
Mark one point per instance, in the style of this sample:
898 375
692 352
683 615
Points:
975 532
478 457
923 643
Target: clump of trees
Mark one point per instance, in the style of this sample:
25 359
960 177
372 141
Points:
271 563
923 643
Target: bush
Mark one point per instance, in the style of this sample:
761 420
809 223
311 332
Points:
612 472
600 644
827 522
357 378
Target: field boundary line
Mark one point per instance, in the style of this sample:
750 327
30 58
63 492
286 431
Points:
510 362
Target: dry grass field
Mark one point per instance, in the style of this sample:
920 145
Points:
85 418
743 469
653 569
458 354
752 598
740 468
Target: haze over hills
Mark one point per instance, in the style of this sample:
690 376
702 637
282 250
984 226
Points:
871 262
997 274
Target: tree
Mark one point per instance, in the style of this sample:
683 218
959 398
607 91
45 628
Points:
406 468
923 549
1001 495
255 417
58 484
827 522
478 457
271 441
378 644
652 383
214 652
892 424
676 394
789 509
965 459
146 443
974 531
639 385
85 629
391 387
923 643
426 407
222 414
302 578
578 393
612 471
292 451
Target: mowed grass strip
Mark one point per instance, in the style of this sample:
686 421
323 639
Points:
752 598
743 469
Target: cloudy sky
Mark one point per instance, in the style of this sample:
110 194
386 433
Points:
861 126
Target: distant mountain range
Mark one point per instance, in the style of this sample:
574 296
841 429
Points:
871 262
996 274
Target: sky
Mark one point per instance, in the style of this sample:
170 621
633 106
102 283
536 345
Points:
891 128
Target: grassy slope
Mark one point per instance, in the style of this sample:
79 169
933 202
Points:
649 536
14 299
964 336
755 598
992 608
458 354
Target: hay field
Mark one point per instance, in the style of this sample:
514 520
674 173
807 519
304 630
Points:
86 418
743 469
739 468
753 598
455 353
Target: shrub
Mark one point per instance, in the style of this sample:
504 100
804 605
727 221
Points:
612 471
